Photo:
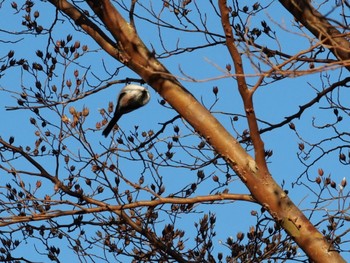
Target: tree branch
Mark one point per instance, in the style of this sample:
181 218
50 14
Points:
87 25
5 221
262 186
246 94
319 26
307 105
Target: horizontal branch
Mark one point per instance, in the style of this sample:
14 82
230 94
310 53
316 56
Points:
5 221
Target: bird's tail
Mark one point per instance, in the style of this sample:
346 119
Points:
110 125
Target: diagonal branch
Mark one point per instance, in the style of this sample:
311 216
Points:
320 27
307 105
101 206
261 185
87 25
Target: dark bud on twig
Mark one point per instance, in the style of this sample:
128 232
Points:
215 90
14 5
292 126
39 53
318 180
10 54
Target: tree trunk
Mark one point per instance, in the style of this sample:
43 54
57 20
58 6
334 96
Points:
131 51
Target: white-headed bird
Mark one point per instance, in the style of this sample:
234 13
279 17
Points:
130 98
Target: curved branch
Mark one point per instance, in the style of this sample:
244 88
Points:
319 26
307 105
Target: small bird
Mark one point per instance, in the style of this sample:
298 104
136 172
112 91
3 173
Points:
130 98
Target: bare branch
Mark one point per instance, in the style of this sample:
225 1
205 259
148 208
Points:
320 27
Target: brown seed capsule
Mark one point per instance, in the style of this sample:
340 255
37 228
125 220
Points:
320 172
100 189
342 157
240 236
333 184
95 168
38 184
110 107
69 37
201 145
318 180
65 119
301 146
14 5
69 83
104 122
77 44
343 182
72 111
39 29
141 180
85 111
88 181
256 6
10 54
200 174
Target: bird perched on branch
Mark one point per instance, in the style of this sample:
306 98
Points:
130 98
